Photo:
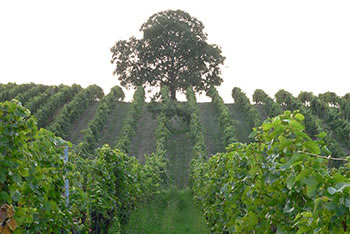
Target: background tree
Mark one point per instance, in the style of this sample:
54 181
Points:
173 51
330 98
347 96
259 96
283 97
305 97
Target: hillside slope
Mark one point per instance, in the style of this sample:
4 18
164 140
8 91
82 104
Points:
241 126
110 133
144 140
76 135
179 153
210 124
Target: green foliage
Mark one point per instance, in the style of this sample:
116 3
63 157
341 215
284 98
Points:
335 111
171 211
346 109
31 172
162 134
259 96
330 98
305 97
173 51
339 126
91 134
312 123
287 100
104 188
271 107
248 111
130 123
26 96
36 102
199 151
318 107
108 186
169 107
226 123
162 139
10 90
276 184
71 111
197 137
57 101
333 117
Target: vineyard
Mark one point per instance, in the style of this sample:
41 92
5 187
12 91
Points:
274 165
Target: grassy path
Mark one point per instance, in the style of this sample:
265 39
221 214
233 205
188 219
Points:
171 211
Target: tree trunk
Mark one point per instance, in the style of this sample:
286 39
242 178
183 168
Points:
173 93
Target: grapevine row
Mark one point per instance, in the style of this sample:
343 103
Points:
271 108
312 123
30 93
92 133
130 123
46 113
333 117
279 183
72 111
196 134
36 102
104 188
10 90
244 106
225 120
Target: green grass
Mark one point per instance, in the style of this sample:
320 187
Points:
171 211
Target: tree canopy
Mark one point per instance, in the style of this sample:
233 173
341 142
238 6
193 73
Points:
173 51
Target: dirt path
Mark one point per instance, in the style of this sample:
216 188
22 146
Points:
144 140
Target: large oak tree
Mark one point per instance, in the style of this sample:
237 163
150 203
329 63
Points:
173 51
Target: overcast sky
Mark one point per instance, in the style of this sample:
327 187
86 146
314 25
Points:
292 45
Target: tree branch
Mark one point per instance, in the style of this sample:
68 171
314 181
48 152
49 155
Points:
325 157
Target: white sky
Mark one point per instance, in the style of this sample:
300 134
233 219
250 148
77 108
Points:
297 45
